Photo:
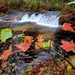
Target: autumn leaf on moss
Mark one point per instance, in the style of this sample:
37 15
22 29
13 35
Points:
26 45
67 27
68 46
5 34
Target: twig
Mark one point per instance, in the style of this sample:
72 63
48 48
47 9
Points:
63 58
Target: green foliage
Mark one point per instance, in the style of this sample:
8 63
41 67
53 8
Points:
45 45
28 4
23 71
5 34
69 68
29 68
19 35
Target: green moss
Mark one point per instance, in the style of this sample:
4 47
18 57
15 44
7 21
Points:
33 5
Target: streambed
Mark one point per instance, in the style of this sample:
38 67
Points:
22 60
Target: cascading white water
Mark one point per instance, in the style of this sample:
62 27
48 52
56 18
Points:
32 18
50 19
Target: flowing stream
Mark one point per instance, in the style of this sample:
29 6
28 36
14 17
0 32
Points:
50 19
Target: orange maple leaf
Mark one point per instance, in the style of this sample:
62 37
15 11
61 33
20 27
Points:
26 45
39 37
6 54
67 26
68 46
38 43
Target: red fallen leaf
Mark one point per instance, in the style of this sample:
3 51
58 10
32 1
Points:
67 26
68 46
26 45
6 54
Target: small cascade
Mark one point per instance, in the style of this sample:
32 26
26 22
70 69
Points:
50 19
32 18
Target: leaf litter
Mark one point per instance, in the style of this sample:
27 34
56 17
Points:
23 50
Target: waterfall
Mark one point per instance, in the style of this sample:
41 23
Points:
50 19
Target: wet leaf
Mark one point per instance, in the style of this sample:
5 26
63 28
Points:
45 45
69 68
68 46
38 45
6 54
5 34
20 35
26 45
10 47
29 68
39 37
42 44
67 27
4 64
22 71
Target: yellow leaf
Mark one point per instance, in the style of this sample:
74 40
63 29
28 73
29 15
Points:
10 47
50 43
